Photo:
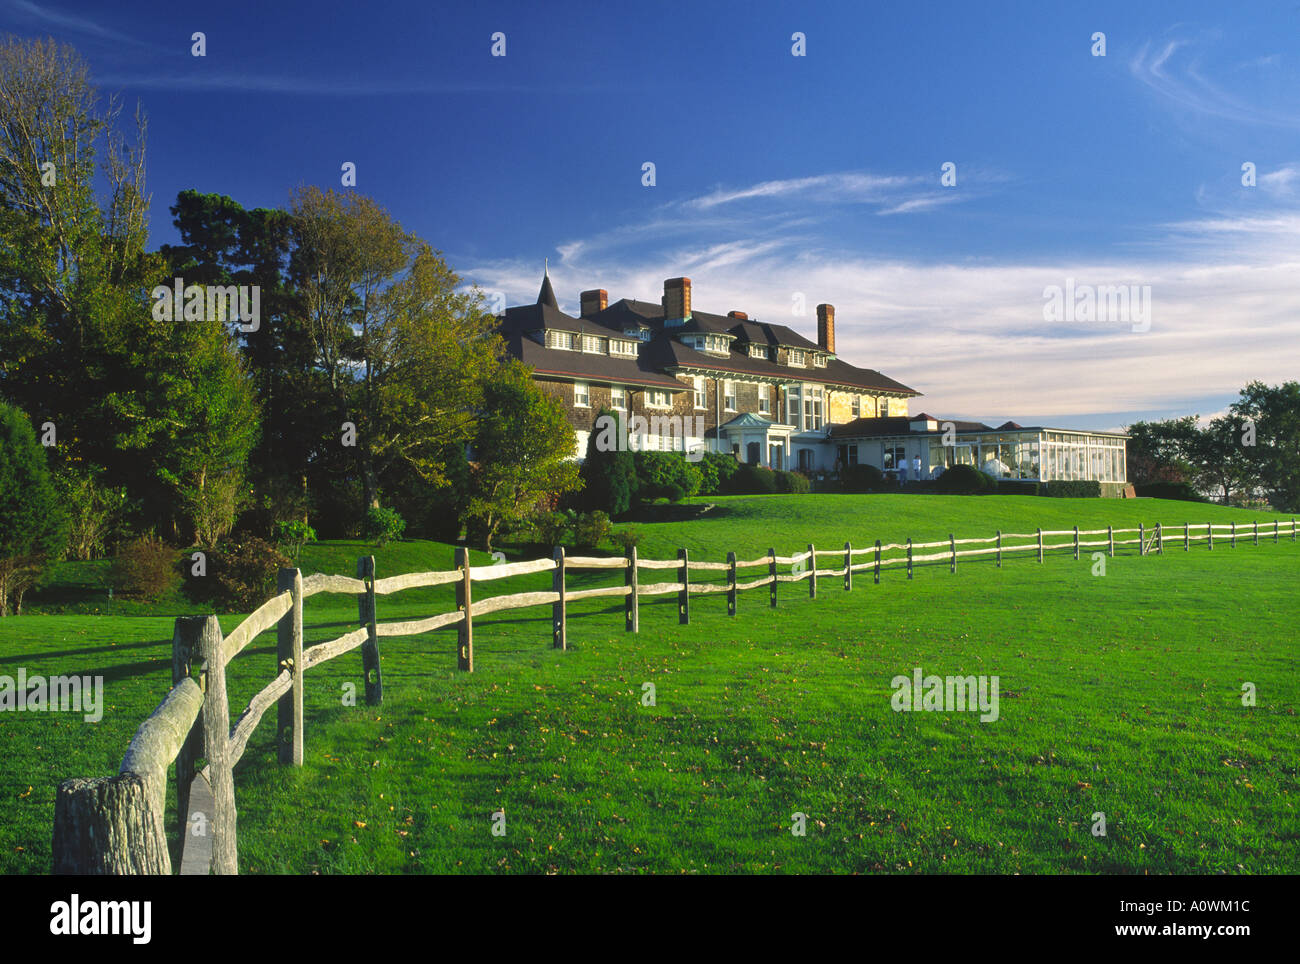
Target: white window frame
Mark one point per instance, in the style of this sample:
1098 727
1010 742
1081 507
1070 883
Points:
701 394
652 396
618 398
730 396
585 401
857 406
798 358
764 398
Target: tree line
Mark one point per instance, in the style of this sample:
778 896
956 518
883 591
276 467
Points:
350 405
1250 453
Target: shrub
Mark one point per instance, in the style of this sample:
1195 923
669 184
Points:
552 527
627 539
666 475
591 528
861 478
1082 489
241 574
1169 490
33 528
795 483
292 536
965 480
145 568
716 468
609 476
383 525
751 480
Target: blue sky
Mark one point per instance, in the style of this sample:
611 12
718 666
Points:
780 176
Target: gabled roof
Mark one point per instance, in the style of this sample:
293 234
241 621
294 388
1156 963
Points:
750 420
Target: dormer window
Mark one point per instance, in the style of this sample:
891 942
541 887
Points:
640 334
759 351
621 346
798 358
594 344
819 360
566 340
716 344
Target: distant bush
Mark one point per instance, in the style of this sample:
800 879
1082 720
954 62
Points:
1019 487
551 528
627 539
1168 490
145 568
796 483
590 529
716 468
751 480
965 480
383 525
1081 489
666 475
292 536
861 478
241 574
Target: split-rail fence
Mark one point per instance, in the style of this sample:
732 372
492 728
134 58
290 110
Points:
115 825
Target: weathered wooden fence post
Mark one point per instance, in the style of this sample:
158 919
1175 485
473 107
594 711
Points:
999 548
288 650
107 825
1293 528
1187 537
1076 543
1275 527
216 749
848 567
1142 539
1110 538
1234 535
1210 531
559 609
366 615
1256 532
952 545
631 608
812 572
465 603
1040 543
771 575
1160 538
186 633
909 557
684 595
731 584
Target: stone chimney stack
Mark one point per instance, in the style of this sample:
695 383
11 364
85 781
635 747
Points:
677 299
593 301
826 327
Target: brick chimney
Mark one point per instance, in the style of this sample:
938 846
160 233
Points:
593 301
677 299
739 315
826 327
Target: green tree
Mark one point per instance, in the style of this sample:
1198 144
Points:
1273 412
1221 461
32 526
608 473
524 449
1163 451
405 353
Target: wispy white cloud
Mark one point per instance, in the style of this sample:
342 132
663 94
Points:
50 17
1173 71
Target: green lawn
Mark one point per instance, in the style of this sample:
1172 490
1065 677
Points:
1119 693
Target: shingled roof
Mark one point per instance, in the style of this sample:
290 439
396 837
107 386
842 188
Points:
663 354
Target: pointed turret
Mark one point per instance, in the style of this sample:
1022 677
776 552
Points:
547 295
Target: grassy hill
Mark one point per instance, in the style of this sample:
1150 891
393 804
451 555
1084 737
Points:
1119 693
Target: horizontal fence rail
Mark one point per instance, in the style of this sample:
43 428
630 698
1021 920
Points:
114 825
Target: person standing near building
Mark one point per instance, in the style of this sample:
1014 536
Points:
916 467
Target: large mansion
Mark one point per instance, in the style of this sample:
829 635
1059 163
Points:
767 394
